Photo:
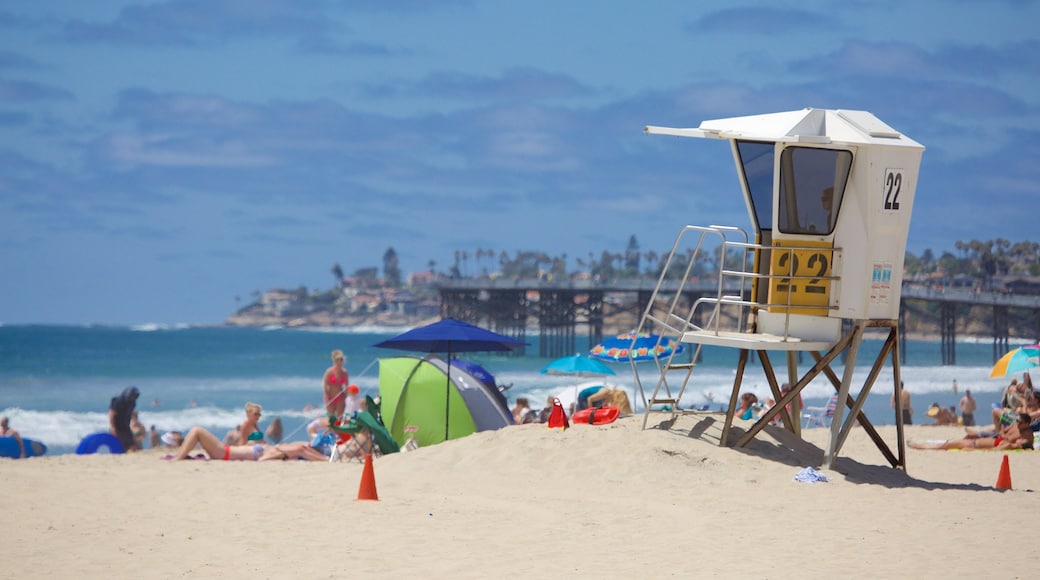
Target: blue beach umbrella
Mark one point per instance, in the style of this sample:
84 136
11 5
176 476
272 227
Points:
577 365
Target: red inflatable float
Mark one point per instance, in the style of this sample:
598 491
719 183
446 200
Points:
596 415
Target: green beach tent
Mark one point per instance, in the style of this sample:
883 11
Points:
411 391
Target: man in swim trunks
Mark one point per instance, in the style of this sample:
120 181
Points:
1015 436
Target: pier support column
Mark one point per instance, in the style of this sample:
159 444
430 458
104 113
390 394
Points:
461 304
507 311
948 326
1001 331
556 319
592 309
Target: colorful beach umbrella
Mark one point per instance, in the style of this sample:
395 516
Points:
1016 361
629 346
578 366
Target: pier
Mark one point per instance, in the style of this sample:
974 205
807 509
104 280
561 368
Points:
562 312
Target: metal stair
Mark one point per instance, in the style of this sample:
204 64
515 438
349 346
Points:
667 316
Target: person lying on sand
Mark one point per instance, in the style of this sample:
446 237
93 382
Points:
1015 436
216 449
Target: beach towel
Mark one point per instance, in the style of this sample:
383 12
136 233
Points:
810 475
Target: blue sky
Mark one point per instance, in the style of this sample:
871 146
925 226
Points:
158 159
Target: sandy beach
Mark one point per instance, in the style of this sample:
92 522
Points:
609 501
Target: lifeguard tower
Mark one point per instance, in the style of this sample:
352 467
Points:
829 195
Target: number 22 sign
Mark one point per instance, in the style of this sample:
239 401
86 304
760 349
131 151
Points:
893 187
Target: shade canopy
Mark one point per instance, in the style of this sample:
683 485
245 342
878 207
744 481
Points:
578 366
1017 360
450 336
630 346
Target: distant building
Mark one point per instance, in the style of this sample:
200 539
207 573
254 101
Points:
421 279
365 303
277 302
1028 285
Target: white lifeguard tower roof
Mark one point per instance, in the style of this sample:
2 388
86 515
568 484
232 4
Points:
817 126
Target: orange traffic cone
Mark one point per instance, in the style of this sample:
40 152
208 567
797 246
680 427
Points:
368 481
558 417
1004 479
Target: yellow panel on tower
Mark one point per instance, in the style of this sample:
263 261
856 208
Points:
800 277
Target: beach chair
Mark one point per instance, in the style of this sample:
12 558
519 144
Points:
821 416
375 441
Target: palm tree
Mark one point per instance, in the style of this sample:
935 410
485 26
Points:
337 272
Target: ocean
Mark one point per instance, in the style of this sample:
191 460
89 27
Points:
56 381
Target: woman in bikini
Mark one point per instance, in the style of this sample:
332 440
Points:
249 431
334 385
138 429
216 449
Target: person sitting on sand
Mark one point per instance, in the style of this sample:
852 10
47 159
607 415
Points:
942 415
274 431
1015 436
521 411
612 397
583 397
216 449
354 401
172 439
746 410
1015 397
231 437
249 430
7 431
543 415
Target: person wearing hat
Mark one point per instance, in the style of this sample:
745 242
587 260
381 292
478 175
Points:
354 401
119 411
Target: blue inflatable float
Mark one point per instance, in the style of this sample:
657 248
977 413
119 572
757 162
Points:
91 443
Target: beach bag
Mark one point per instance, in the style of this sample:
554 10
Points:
558 417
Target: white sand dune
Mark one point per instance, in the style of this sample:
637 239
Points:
610 502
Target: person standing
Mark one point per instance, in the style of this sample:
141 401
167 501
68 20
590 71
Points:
904 399
334 385
119 411
967 409
138 429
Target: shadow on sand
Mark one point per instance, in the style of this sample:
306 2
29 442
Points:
782 446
